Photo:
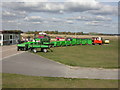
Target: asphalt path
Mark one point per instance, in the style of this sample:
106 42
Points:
27 63
8 51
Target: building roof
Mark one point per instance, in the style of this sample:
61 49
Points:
11 32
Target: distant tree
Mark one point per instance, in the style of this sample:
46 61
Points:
56 32
13 31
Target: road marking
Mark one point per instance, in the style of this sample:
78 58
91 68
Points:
11 56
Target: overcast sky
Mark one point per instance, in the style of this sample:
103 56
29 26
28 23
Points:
63 15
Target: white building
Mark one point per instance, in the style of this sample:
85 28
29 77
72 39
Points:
9 37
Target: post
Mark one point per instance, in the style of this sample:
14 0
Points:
1 41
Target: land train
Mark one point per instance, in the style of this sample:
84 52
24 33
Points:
43 44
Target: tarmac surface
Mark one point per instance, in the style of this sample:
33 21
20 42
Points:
8 51
27 63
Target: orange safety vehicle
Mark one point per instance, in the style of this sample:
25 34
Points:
97 40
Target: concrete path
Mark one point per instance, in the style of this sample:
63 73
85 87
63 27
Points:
30 64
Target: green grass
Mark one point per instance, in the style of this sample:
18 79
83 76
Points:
23 81
99 56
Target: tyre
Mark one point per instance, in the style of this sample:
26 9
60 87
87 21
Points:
44 50
22 49
31 49
17 49
51 46
25 49
34 50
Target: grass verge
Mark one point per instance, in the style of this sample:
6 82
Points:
98 56
23 81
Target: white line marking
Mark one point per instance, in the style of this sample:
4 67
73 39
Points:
11 55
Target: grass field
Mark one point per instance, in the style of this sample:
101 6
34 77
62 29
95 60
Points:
22 81
100 56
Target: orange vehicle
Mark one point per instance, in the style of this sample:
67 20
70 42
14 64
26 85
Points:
97 40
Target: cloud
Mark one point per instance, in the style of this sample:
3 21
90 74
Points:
81 5
91 6
11 21
36 22
77 18
55 19
93 23
56 0
108 0
105 10
79 14
10 15
102 18
90 18
35 7
99 23
69 22
33 1
34 19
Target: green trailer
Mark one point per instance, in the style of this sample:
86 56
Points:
44 44
78 41
73 42
42 40
89 41
58 43
36 47
38 43
84 41
63 43
33 46
50 44
68 43
24 46
54 43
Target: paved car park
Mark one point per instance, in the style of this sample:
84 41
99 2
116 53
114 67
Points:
27 63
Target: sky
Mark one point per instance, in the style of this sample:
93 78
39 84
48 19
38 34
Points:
86 16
